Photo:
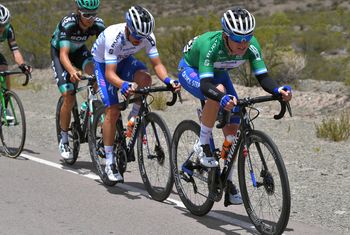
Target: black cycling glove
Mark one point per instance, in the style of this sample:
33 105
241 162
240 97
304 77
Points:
25 68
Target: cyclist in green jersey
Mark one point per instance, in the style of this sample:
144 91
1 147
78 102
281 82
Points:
203 73
69 55
7 33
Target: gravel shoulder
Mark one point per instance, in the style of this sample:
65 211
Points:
318 170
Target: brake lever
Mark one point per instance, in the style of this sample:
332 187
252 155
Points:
289 109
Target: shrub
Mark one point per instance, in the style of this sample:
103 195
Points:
336 129
159 101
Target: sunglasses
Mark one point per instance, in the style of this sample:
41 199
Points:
240 38
136 36
88 15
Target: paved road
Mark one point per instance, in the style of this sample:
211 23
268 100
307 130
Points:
41 195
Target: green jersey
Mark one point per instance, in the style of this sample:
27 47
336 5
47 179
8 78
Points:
9 35
208 52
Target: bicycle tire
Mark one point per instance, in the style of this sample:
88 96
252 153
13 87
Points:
96 146
13 147
183 148
73 135
154 159
271 184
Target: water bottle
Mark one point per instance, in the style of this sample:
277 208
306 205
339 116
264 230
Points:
227 145
83 109
130 126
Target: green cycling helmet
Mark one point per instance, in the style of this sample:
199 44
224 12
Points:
88 4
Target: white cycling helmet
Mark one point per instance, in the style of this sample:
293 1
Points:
139 21
238 21
4 15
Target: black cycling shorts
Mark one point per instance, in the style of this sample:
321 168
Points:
78 58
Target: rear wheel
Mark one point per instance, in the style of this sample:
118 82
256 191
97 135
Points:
73 134
264 183
13 125
154 156
191 180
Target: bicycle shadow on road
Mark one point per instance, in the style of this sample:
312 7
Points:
130 190
25 150
220 225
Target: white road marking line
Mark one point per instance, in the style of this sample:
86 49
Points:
91 175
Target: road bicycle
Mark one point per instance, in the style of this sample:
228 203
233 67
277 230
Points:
153 145
80 120
13 120
263 178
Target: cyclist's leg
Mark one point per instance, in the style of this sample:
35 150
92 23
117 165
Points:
189 79
132 70
109 97
223 78
66 89
232 195
3 67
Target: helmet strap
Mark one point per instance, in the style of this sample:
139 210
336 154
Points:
225 37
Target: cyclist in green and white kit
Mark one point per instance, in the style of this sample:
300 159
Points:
69 54
7 33
203 73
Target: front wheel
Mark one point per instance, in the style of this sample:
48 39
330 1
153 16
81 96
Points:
13 125
73 133
96 146
153 148
264 183
191 179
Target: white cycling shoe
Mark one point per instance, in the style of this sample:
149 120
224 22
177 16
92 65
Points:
203 151
113 174
232 195
65 150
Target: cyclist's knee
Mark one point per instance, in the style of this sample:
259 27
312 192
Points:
142 78
89 68
112 113
68 99
213 104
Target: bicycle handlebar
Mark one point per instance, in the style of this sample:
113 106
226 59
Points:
146 90
261 99
28 75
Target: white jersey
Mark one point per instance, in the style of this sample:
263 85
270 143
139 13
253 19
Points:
112 46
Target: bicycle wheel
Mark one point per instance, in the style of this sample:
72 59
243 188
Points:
191 180
264 183
73 134
153 148
96 146
13 132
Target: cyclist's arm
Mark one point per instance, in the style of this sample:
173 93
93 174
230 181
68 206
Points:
210 90
159 68
11 39
18 57
65 61
112 77
267 83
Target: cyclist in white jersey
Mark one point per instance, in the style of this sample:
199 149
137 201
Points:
116 68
